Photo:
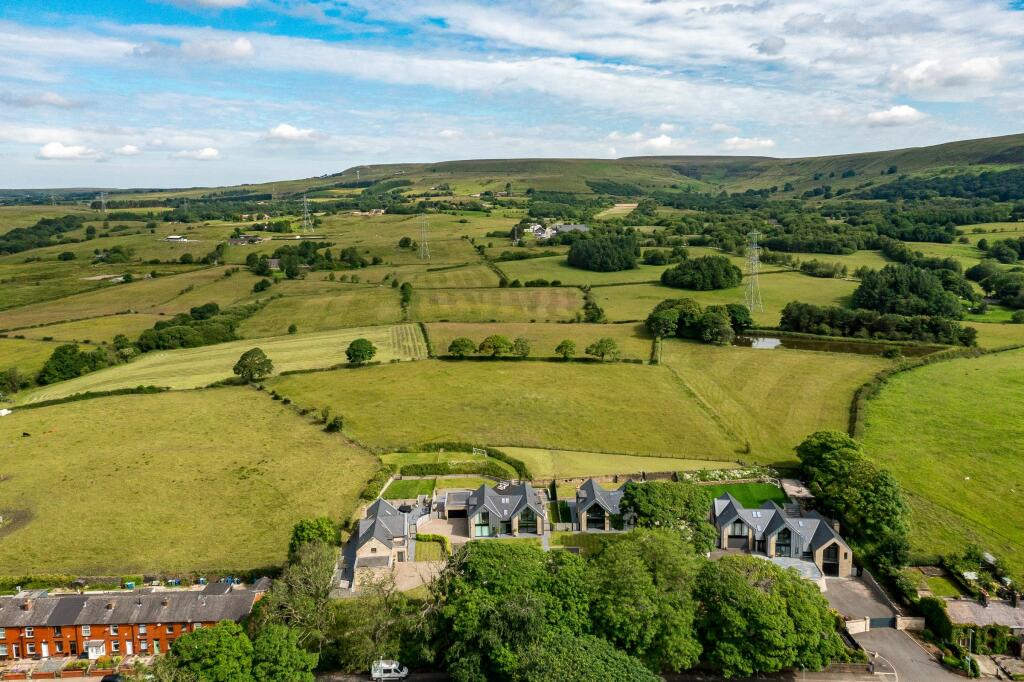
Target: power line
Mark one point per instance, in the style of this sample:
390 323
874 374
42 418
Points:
307 224
424 248
753 293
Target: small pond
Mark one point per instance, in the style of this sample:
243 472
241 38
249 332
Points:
830 345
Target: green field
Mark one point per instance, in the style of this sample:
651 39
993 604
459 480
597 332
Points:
496 305
632 339
556 268
545 463
94 330
197 367
400 459
27 355
635 301
750 494
994 335
951 433
408 488
623 408
771 399
191 481
346 307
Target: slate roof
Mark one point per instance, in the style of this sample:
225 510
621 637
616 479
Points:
126 608
383 522
591 493
570 227
810 531
505 501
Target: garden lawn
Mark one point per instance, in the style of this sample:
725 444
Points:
626 408
951 433
750 494
632 339
429 550
197 367
588 543
408 488
206 481
772 399
544 463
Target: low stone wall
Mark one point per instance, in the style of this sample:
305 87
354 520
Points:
577 481
855 626
910 623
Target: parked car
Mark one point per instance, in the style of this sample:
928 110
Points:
388 670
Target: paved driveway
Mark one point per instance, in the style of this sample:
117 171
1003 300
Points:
911 662
854 598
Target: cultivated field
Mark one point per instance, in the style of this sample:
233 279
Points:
771 399
496 305
197 367
622 408
545 463
187 481
632 339
556 268
951 433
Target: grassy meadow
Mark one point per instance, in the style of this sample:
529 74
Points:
635 301
951 433
632 339
197 367
545 463
622 408
186 481
345 307
26 355
94 330
771 399
496 305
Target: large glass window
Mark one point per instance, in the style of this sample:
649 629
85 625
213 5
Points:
783 543
528 521
483 525
738 529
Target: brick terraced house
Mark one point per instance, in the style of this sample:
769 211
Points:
35 624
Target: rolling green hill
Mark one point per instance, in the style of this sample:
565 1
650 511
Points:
701 173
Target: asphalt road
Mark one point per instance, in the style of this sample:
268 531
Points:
911 662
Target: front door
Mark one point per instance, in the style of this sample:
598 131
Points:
129 647
73 648
45 649
506 527
16 649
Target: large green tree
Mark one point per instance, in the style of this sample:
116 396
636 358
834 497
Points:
319 529
495 344
277 656
461 347
683 506
222 653
360 351
253 365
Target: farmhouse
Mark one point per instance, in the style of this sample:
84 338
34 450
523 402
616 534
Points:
176 238
383 535
506 509
787 534
34 623
597 508
245 240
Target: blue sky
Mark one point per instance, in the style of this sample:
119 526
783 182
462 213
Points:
207 92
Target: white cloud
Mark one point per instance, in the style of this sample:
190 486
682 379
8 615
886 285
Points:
931 76
62 152
286 132
127 150
42 99
899 115
724 128
659 142
204 154
449 134
746 144
239 48
666 128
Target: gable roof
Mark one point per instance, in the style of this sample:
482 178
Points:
383 522
591 493
505 501
809 531
124 608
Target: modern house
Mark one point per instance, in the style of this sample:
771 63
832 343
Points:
383 536
35 624
597 508
773 532
505 509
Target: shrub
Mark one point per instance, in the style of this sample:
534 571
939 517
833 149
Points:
604 253
377 482
703 274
